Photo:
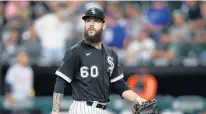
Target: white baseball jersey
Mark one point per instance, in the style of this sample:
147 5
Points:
21 80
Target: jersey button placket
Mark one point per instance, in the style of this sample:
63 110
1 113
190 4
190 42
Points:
103 60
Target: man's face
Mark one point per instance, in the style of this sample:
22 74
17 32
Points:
179 19
23 58
93 29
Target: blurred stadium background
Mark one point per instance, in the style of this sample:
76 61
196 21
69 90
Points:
161 47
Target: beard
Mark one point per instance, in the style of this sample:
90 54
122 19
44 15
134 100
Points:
96 38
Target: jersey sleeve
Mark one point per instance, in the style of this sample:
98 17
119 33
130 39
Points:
31 74
10 75
67 68
117 73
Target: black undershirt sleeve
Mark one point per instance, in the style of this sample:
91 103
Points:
60 85
120 86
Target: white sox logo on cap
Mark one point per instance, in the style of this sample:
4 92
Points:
93 10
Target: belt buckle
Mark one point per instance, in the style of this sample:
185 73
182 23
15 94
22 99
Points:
94 104
103 106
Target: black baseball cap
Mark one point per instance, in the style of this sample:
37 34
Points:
94 12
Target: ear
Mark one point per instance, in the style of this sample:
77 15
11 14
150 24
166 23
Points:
104 26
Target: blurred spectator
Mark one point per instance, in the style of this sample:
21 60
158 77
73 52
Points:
120 17
31 43
158 4
203 14
25 12
18 19
158 15
112 7
2 17
97 4
139 51
53 5
2 23
165 51
158 18
114 34
198 37
11 9
203 9
201 37
53 29
39 9
191 10
19 83
16 8
198 26
134 20
77 25
13 23
9 47
180 30
198 47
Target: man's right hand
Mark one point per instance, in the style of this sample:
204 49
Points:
55 113
10 99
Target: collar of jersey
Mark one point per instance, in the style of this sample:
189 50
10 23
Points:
89 45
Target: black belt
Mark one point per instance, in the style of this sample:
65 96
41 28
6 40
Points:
101 106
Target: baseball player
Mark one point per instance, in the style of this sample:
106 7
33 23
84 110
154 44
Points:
91 68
